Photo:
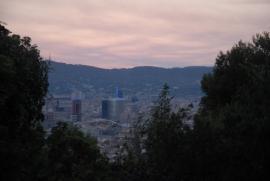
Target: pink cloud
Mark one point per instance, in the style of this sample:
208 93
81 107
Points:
117 33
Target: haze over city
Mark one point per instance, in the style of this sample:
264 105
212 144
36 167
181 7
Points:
119 33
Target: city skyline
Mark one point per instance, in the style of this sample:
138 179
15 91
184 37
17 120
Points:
124 34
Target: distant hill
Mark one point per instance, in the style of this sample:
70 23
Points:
65 78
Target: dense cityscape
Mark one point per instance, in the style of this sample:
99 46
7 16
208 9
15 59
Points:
109 120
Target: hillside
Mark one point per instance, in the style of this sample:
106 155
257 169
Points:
64 78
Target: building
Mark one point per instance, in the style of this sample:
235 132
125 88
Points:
64 108
57 108
118 93
49 120
114 107
76 112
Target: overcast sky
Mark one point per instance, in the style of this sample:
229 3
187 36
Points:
128 33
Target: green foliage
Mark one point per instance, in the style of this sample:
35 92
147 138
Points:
229 140
239 75
23 84
236 110
74 156
157 143
25 154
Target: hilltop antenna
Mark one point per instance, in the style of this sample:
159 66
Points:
49 58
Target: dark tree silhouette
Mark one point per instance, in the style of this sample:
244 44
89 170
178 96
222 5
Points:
229 140
23 85
235 111
74 156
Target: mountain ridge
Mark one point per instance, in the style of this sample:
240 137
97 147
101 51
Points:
136 67
65 78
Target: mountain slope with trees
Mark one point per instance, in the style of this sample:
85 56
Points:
64 78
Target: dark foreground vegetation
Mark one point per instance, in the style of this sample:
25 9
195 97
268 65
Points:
229 141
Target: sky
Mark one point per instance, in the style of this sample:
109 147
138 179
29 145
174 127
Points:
129 33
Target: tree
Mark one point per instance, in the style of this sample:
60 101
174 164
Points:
74 156
236 108
23 85
25 154
229 140
157 147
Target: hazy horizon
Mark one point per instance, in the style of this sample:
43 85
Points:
111 68
126 34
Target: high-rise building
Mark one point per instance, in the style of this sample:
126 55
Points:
113 108
118 93
76 112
